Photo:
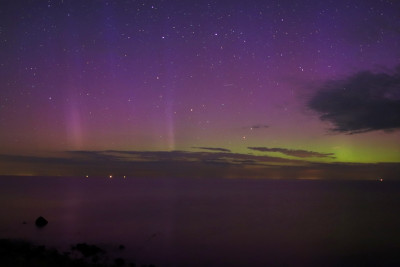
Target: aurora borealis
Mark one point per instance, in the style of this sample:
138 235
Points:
276 89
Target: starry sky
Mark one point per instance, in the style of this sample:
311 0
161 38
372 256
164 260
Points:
283 89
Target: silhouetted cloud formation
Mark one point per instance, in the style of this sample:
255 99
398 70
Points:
363 102
294 152
187 164
213 148
257 127
186 156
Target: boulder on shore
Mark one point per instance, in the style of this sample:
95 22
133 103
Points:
41 222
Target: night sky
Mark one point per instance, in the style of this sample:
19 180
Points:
277 89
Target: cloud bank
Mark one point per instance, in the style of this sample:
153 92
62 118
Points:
294 152
363 102
257 127
187 164
213 149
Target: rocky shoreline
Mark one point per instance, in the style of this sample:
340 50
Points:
21 253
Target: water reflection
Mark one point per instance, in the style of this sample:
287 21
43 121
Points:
208 222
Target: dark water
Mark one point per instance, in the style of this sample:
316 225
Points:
211 222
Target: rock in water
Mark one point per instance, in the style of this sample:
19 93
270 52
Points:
41 222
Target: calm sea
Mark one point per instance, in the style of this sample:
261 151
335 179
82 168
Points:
210 222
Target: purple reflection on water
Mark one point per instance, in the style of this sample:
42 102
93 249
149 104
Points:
206 222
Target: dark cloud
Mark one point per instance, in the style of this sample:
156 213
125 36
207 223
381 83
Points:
142 164
186 156
39 159
213 149
257 127
294 152
188 165
363 102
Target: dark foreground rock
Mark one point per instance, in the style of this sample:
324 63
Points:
88 250
22 253
41 222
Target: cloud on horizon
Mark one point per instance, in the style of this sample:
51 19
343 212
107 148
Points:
144 164
187 156
257 127
294 152
360 103
213 149
188 165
